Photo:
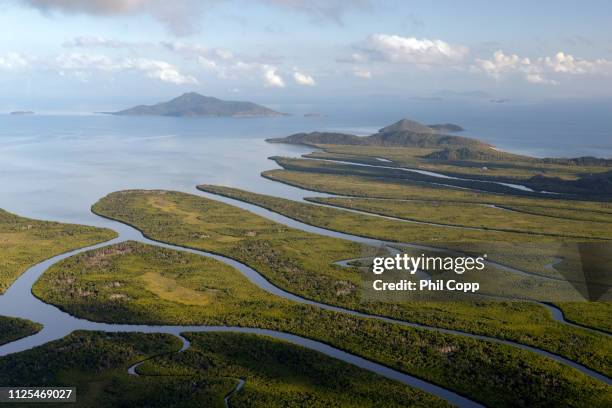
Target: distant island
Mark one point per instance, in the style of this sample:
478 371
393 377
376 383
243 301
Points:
193 104
447 128
22 113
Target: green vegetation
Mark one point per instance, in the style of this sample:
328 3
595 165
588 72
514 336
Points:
409 144
489 163
287 257
593 314
393 188
475 215
509 248
25 242
117 280
138 283
308 270
12 329
525 256
96 364
277 374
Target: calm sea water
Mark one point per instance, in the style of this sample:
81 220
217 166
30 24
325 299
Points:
56 167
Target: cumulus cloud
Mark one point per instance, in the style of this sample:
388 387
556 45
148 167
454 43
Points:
303 79
81 65
160 70
180 16
236 69
227 65
409 50
272 78
542 70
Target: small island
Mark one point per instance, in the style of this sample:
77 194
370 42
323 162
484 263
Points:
192 104
447 128
20 112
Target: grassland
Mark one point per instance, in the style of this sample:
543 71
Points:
594 314
118 282
393 188
477 216
529 257
505 166
25 242
303 263
327 167
510 248
277 374
12 329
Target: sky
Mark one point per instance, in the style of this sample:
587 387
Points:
100 54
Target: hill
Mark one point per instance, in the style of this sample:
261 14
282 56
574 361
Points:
447 127
193 104
404 133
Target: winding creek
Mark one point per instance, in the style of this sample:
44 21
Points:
18 301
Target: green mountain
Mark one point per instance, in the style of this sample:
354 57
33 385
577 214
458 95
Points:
194 104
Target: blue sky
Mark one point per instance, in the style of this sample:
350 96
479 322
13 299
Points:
107 53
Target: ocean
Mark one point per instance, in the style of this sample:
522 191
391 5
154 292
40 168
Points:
56 166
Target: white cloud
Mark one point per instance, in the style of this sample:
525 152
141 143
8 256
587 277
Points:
303 79
568 64
227 65
501 64
160 70
13 61
272 78
362 73
83 64
409 50
543 70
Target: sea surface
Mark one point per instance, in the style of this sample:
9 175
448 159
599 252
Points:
56 166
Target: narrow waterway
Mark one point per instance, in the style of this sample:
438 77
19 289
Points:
18 301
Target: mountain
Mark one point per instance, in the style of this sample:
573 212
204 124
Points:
194 104
407 125
404 133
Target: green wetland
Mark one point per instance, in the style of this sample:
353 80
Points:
130 284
